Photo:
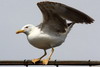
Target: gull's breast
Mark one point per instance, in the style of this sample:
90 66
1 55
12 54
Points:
45 41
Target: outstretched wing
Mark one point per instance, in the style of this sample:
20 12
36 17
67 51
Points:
55 15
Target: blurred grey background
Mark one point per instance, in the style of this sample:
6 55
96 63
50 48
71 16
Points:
82 43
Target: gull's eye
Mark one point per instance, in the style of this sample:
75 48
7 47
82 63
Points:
26 27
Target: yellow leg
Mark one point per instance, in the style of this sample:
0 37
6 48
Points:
45 53
38 59
45 61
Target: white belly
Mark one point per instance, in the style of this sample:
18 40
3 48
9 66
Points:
45 41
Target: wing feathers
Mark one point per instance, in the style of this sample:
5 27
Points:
52 21
67 12
55 15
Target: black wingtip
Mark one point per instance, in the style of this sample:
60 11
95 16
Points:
88 20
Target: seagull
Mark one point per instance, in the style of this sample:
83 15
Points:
54 29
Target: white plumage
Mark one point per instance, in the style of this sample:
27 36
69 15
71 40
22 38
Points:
54 28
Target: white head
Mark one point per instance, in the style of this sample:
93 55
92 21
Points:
26 29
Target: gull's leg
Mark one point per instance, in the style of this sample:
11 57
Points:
45 61
38 59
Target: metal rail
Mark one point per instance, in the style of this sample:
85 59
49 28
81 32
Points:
56 63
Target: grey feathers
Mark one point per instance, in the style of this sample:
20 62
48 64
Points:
56 14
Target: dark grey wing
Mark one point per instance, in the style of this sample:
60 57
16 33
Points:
55 15
52 21
65 12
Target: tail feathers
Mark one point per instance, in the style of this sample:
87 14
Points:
70 25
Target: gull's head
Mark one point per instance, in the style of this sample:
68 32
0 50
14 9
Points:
26 29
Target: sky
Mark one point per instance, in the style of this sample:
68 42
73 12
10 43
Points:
82 43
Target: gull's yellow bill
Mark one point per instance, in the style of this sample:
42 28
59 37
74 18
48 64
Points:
19 31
